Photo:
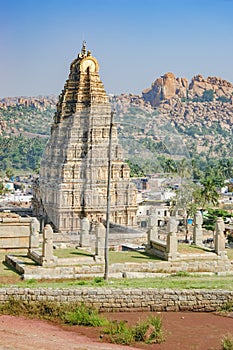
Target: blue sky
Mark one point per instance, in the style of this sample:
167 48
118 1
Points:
135 41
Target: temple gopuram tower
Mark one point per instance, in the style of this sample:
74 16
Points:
73 174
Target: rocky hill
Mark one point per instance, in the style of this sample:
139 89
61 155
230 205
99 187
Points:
29 116
200 111
39 102
169 87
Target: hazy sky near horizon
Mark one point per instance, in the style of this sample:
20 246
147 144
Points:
135 42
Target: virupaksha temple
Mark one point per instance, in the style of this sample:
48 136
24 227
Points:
74 170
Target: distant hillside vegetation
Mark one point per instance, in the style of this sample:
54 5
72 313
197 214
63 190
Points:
200 112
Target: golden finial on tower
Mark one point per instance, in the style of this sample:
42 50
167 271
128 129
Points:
83 52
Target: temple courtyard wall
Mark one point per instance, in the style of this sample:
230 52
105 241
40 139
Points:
147 299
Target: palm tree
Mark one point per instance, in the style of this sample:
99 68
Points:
184 168
169 166
209 192
197 173
225 166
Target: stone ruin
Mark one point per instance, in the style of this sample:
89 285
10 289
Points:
46 258
167 250
197 230
17 232
219 238
50 267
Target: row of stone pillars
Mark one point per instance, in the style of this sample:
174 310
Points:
47 258
219 237
171 251
100 233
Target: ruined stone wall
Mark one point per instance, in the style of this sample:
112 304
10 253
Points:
127 299
15 231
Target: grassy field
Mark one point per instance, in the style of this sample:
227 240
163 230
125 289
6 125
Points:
179 280
127 256
70 253
114 257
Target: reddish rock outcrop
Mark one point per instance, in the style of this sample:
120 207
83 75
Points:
169 87
165 87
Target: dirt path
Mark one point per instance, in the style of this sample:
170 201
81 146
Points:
184 331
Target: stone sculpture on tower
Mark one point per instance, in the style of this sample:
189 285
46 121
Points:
73 174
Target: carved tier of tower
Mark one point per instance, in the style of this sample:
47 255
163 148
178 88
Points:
74 168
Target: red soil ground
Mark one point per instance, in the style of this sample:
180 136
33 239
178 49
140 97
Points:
185 331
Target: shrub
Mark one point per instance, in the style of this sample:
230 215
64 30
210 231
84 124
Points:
47 310
71 313
227 342
181 274
149 331
99 281
208 95
223 99
85 316
120 333
228 307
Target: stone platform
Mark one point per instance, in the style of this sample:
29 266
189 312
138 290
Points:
87 267
70 268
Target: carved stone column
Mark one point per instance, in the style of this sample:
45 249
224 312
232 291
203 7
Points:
172 244
85 233
48 259
219 238
100 232
34 234
197 231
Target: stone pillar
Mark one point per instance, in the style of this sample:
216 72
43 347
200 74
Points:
171 239
34 234
100 232
152 233
219 238
42 223
48 259
197 231
85 233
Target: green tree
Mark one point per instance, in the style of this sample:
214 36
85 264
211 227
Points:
223 99
225 167
208 95
210 217
169 166
21 152
185 200
209 193
135 169
196 171
9 173
2 188
184 168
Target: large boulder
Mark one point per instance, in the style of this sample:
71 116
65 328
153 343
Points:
165 88
168 87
